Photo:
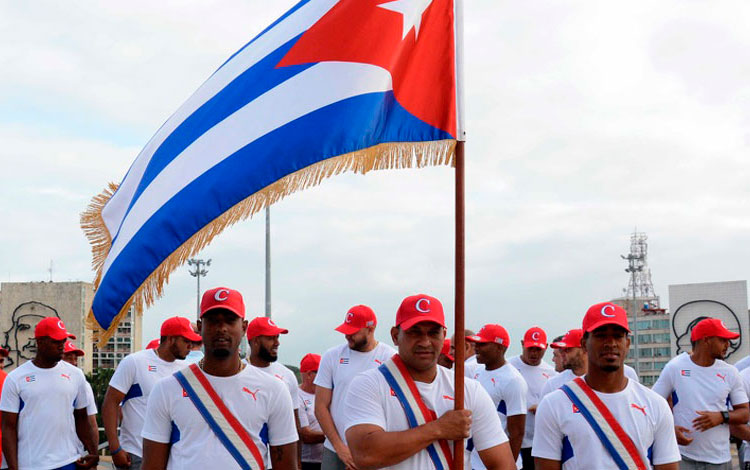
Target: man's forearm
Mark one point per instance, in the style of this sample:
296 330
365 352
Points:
327 425
84 431
739 415
383 449
516 429
109 420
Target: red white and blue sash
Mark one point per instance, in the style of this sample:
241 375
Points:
417 413
617 442
222 422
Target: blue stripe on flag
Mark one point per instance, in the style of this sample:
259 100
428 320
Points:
249 170
595 426
218 432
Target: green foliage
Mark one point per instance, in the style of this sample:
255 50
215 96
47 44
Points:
99 380
295 369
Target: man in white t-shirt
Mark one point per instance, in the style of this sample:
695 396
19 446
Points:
338 366
44 408
743 363
70 355
177 436
742 431
535 372
702 387
310 433
378 431
503 383
556 356
565 439
575 362
263 341
470 356
131 385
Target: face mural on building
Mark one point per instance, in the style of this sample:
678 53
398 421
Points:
690 313
19 338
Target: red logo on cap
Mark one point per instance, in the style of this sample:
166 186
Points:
349 317
604 311
218 295
535 336
61 325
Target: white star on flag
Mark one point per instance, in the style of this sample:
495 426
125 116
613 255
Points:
411 11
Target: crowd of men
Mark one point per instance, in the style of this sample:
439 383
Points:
191 401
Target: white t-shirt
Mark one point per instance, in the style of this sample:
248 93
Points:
91 411
567 375
310 452
44 400
136 377
507 389
471 366
258 401
370 402
695 388
745 377
743 363
338 366
281 372
536 377
563 434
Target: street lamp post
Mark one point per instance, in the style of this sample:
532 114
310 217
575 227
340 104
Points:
634 267
199 272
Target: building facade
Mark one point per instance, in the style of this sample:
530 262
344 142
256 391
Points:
126 339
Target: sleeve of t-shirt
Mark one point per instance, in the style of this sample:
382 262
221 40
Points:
293 390
82 395
124 375
546 389
363 403
91 409
664 385
486 428
630 373
10 401
281 426
516 398
324 377
665 448
548 437
157 426
737 395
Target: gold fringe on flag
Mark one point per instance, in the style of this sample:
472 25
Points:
379 157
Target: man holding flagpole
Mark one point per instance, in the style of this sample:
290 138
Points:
401 414
604 420
220 413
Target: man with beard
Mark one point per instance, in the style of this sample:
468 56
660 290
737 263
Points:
219 412
556 356
44 408
338 366
131 385
604 420
503 383
702 387
536 373
575 362
263 340
401 415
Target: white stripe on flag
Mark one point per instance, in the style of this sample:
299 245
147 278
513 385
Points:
312 89
299 21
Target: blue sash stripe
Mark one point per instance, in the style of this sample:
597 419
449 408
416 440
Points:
595 426
396 387
211 421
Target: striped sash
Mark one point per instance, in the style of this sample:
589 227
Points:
222 422
605 425
417 413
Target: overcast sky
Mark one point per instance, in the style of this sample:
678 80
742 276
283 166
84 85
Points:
585 120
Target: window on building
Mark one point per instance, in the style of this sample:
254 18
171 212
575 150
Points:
644 324
645 352
648 380
659 365
661 338
644 339
661 352
646 365
660 324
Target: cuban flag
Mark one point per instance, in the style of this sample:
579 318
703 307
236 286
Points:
331 86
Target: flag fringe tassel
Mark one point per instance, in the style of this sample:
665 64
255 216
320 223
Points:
379 157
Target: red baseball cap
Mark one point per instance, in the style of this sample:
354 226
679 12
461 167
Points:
309 363
358 317
572 339
605 313
446 351
264 326
418 308
223 298
491 334
179 326
711 327
535 337
153 344
52 327
71 348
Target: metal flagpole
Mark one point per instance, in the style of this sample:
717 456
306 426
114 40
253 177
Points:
458 452
268 262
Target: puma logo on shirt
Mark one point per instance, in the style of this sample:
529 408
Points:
722 377
66 376
642 409
247 390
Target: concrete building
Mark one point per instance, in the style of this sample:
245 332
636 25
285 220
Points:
690 303
23 304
